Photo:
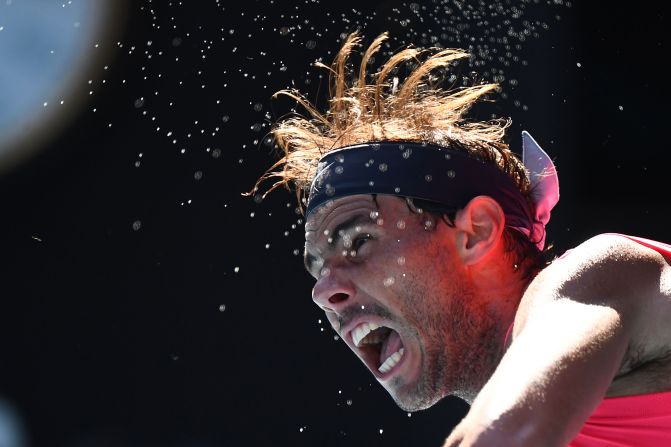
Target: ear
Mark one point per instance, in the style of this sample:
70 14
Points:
479 227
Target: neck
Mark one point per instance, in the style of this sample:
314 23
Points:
499 287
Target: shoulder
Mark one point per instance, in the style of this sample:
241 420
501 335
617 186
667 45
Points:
611 264
607 270
609 294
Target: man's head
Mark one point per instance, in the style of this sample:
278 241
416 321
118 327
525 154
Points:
435 291
419 290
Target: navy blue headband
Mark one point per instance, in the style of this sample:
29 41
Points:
421 171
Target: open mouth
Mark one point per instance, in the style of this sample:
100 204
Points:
380 346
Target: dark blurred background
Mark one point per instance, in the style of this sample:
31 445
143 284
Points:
144 302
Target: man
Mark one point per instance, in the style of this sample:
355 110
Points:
426 236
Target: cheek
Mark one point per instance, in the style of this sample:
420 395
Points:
426 294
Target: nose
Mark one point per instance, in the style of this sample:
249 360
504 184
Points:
332 292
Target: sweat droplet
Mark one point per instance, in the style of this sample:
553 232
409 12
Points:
400 224
388 282
401 260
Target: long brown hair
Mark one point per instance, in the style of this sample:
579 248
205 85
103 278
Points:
414 108
387 109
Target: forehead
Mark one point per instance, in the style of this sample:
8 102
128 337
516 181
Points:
326 215
321 218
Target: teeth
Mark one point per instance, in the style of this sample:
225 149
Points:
391 361
361 331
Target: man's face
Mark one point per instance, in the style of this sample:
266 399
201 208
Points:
394 289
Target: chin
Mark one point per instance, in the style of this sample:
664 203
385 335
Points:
411 400
412 405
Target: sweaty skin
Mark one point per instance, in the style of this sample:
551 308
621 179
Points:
592 325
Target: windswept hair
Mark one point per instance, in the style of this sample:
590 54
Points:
412 109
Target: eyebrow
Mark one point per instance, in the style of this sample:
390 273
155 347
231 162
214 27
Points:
336 234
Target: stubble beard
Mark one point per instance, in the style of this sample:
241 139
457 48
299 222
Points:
458 348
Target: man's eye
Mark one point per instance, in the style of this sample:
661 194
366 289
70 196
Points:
360 240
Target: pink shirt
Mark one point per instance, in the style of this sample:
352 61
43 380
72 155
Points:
642 420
